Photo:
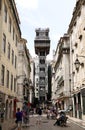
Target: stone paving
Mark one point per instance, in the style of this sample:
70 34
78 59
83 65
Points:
10 124
46 123
77 121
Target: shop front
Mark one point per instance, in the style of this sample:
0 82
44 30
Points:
77 103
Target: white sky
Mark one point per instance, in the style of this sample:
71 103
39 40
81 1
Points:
53 14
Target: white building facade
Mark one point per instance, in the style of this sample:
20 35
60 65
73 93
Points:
24 69
10 34
61 74
77 59
36 90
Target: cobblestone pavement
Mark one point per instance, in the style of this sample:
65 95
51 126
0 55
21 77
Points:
48 125
45 124
79 122
8 124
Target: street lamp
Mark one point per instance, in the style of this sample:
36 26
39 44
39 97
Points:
77 62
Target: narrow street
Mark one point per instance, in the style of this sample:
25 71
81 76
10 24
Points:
48 125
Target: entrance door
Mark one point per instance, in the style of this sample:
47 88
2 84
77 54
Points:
75 106
79 106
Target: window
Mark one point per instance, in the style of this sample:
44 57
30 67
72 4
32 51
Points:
36 89
80 37
42 69
8 50
14 84
7 79
42 53
15 61
36 79
37 85
46 33
12 57
5 13
16 40
37 94
37 33
4 43
13 33
42 79
2 75
11 82
42 61
76 44
42 87
9 24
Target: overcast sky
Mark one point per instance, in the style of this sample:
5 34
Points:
53 14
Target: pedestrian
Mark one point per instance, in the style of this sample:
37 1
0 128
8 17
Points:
48 114
39 115
57 120
19 118
25 114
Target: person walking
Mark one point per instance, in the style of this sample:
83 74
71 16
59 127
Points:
25 110
18 118
39 115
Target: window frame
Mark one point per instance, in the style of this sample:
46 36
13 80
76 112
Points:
10 24
7 79
2 75
9 50
4 43
5 13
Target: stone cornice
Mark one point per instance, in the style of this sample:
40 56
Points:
23 41
59 53
12 3
61 49
76 13
12 6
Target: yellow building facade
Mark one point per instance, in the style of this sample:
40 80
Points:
9 35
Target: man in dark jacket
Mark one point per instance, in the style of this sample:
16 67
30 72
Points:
19 118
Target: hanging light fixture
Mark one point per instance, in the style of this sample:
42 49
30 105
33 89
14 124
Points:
77 64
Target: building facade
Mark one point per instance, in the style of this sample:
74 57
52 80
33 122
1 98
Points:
61 74
9 35
36 71
70 67
32 81
23 76
76 31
